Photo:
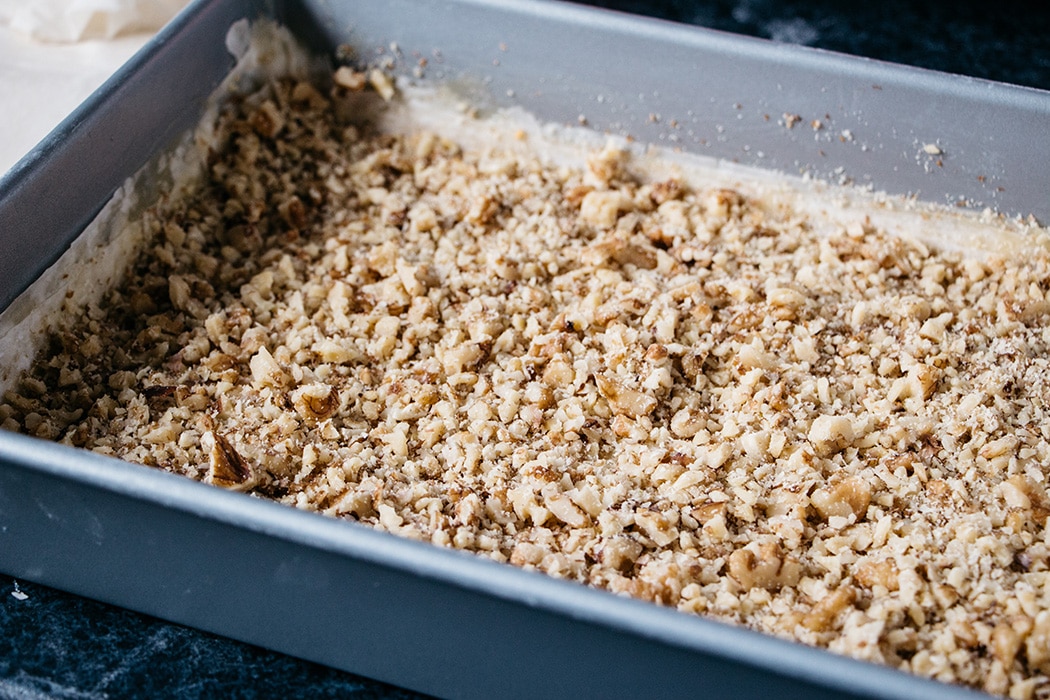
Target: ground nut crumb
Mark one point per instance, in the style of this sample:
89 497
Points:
686 393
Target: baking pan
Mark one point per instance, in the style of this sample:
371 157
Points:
430 619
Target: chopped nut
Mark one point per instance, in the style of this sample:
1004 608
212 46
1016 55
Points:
608 164
463 357
601 208
786 298
850 496
559 373
562 508
268 120
179 292
657 526
998 448
831 433
821 616
708 511
350 79
228 469
381 83
686 423
721 203
315 401
619 553
1037 643
1014 493
1005 643
266 371
623 400
762 567
921 380
666 191
877 573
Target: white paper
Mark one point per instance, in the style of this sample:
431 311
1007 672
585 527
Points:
79 20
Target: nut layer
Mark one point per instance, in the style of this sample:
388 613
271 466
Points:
672 392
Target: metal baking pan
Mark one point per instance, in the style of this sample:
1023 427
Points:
434 620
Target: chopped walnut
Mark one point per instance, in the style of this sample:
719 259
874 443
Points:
763 566
831 433
822 615
350 79
601 208
850 496
228 468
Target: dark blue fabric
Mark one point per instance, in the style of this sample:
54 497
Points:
1002 41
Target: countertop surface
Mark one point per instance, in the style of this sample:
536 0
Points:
56 645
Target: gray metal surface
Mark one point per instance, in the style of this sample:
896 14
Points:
344 595
725 95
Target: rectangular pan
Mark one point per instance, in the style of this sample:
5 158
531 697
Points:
439 621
